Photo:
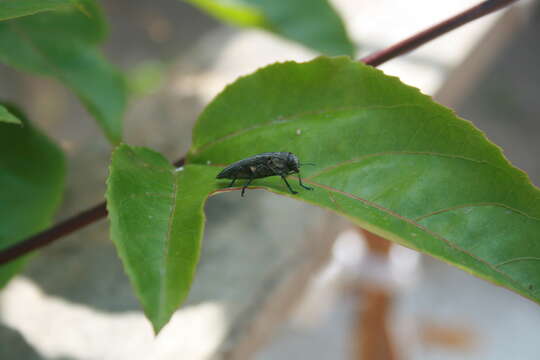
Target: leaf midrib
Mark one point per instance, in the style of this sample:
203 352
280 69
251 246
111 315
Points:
163 279
31 43
50 6
405 152
421 228
401 152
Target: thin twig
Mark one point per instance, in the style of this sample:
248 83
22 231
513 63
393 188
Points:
59 230
54 233
409 44
98 212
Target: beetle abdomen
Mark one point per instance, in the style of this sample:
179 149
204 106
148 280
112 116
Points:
257 166
236 170
252 167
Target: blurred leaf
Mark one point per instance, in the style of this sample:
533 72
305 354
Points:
63 45
32 171
146 78
10 9
156 224
313 23
7 117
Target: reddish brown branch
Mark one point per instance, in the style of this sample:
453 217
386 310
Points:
59 230
100 211
43 238
409 44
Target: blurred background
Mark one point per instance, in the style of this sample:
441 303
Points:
278 279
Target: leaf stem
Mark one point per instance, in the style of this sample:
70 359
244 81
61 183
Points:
99 211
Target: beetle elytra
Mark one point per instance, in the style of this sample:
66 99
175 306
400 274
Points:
264 165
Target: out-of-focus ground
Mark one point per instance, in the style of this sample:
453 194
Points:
74 301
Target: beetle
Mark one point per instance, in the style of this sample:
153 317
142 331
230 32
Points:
264 165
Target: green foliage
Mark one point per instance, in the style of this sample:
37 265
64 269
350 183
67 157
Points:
146 78
7 117
156 224
64 45
10 9
388 158
312 23
31 185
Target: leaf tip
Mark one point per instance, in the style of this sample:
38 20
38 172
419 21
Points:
157 327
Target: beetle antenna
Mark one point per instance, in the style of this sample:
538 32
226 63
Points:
302 164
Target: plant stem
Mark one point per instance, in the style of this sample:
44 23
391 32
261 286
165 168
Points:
59 230
99 211
411 43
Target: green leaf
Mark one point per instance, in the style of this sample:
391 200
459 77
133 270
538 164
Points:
64 45
146 78
10 9
7 117
32 171
156 216
312 23
388 158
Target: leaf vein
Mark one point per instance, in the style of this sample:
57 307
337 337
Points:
525 258
481 204
401 152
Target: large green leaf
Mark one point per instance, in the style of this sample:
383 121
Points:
312 23
32 171
156 224
63 45
387 157
10 9
8 117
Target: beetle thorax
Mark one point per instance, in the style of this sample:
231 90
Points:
292 162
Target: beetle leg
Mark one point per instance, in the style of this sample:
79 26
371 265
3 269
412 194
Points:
232 182
289 186
302 185
246 185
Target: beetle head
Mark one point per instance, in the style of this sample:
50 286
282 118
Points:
292 163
